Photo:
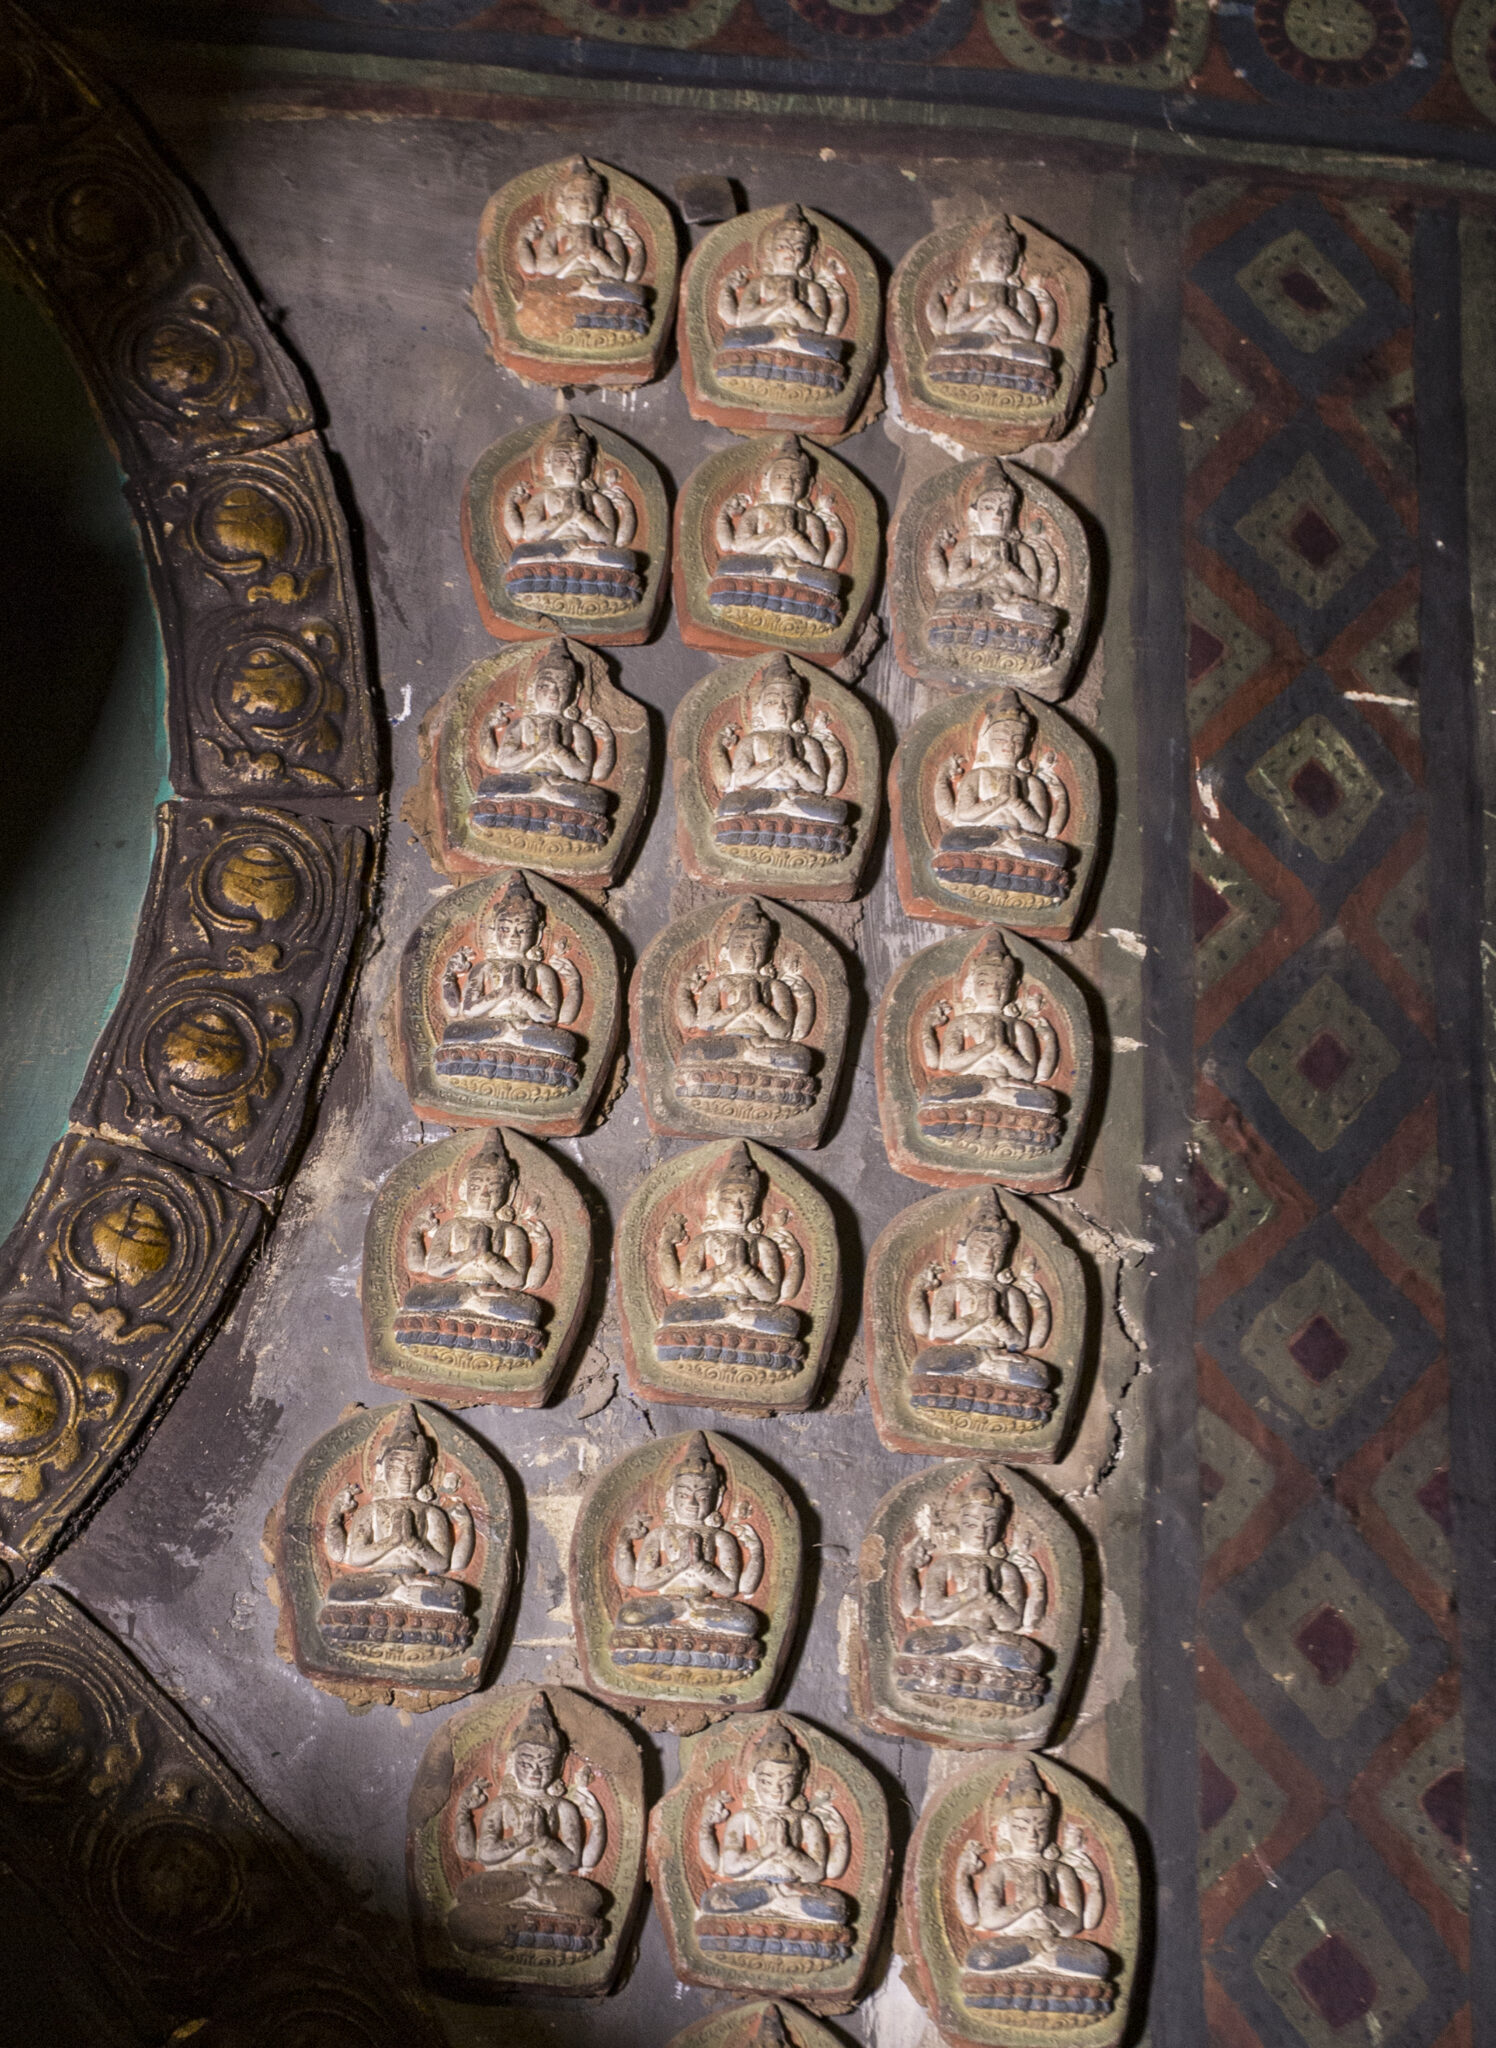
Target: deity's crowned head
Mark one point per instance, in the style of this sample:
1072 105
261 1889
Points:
1024 1812
566 453
997 255
776 697
993 510
989 977
784 246
513 921
977 1509
696 1485
552 685
786 479
579 195
732 1199
777 1768
403 1467
983 1246
488 1182
1005 732
537 1749
743 940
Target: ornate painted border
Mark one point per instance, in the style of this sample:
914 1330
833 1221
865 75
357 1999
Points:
201 1088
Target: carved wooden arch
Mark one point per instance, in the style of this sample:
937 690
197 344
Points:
201 1087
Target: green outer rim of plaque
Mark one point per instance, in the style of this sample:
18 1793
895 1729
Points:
655 1379
921 890
951 1808
456 1383
778 1598
832 415
912 647
923 1159
296 1574
487 555
463 1972
900 1425
832 881
694 554
878 1699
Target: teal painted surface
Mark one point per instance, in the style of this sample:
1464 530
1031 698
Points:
83 692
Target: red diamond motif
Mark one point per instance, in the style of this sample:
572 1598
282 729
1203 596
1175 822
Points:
1444 1803
1211 1482
1328 1644
1192 400
1212 1203
1433 1498
1323 1061
1205 650
1427 1220
1319 1350
1217 1793
1209 905
1336 1983
1408 668
1405 419
1299 286
1317 790
1314 537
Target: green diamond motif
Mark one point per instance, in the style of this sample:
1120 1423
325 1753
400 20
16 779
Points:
1319 786
1269 281
1290 1631
1315 565
1318 1346
1335 1971
1323 1063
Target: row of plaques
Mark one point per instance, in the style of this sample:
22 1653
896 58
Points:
535 757
770 1858
994 338
776 544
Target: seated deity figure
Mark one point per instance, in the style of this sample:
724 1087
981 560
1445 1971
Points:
687 1578
534 1840
779 551
783 314
728 1284
992 324
743 1019
1028 1899
778 777
579 262
393 1594
546 761
971 1603
994 584
474 1273
569 531
506 1003
1003 814
988 1055
775 1858
980 1326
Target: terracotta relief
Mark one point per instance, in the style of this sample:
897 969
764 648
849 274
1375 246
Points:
974 1327
392 1554
777 781
525 1851
235 978
577 270
769 1860
565 522
508 1007
776 545
533 756
248 559
738 1022
991 335
758 2025
685 1576
779 325
1021 1901
984 1061
970 1599
477 1268
996 815
728 1281
108 1281
990 580
161 1868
